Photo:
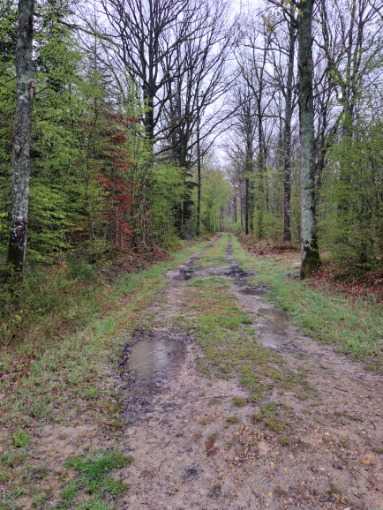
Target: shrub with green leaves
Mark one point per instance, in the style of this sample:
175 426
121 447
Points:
351 212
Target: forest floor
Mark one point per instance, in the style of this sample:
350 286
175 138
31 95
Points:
215 398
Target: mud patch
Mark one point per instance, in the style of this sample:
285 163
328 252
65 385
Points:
150 361
259 290
272 325
233 271
57 442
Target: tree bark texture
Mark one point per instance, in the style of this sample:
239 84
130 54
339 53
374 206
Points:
21 153
309 249
199 177
287 138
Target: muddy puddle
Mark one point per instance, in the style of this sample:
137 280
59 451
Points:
191 269
272 327
150 362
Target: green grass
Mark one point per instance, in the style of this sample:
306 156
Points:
214 256
355 327
65 379
239 401
20 439
232 420
93 478
228 341
229 344
270 415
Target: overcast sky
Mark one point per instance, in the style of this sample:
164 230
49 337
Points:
218 154
246 5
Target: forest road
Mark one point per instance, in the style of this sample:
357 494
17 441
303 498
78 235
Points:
312 440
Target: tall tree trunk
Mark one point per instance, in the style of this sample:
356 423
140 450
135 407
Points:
149 116
287 138
310 254
199 179
235 208
250 191
242 204
247 200
260 192
21 153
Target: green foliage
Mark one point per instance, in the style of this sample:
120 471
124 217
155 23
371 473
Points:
44 295
215 199
80 269
352 204
96 189
167 192
269 226
49 222
7 110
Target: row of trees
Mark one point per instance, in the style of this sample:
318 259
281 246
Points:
306 159
107 111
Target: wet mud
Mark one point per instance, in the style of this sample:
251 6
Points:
150 361
194 450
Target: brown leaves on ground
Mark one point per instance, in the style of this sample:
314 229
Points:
353 283
268 247
130 261
367 284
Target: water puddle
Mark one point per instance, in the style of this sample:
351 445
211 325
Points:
149 362
272 327
149 359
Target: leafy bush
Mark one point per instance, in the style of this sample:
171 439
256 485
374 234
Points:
351 213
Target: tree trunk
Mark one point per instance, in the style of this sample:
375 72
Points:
21 153
287 139
149 116
199 180
242 204
250 188
261 192
309 248
247 200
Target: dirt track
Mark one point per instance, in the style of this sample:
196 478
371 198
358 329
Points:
187 455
